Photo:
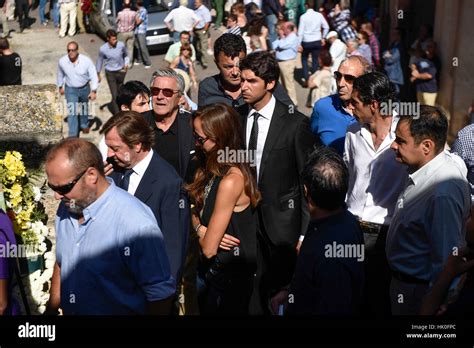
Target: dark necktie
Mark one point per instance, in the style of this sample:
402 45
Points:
126 179
254 133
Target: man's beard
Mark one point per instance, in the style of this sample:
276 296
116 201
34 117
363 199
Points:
77 207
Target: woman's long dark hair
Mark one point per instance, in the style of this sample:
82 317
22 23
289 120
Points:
221 124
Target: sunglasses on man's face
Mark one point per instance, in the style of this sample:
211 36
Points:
65 189
348 78
200 139
167 92
72 49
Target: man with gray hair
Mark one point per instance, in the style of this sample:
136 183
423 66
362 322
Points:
170 122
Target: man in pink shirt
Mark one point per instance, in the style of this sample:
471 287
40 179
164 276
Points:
125 25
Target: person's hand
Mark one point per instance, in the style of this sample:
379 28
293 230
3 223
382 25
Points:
300 49
458 264
298 246
415 74
108 168
281 298
98 76
61 90
228 242
323 42
280 16
92 95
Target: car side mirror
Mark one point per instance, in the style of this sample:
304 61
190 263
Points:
108 12
170 4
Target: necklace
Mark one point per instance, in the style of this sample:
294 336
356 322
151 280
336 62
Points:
207 189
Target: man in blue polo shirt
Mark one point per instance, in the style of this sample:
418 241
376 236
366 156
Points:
331 115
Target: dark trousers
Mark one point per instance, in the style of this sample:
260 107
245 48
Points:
115 80
233 299
377 275
22 10
310 47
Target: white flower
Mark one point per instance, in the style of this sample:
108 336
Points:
37 193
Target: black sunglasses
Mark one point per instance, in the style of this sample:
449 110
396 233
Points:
72 50
200 139
348 78
65 189
167 92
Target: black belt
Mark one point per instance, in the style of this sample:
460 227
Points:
406 278
371 228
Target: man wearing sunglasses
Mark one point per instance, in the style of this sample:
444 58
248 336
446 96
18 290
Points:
110 254
171 123
78 80
332 115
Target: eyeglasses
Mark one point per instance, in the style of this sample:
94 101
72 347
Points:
167 92
72 50
200 139
348 78
65 189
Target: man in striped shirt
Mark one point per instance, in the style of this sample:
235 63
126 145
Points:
125 25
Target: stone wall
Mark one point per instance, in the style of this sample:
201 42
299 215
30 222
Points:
30 121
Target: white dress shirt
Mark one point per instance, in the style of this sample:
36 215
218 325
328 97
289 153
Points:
138 172
183 19
376 179
310 25
429 218
263 126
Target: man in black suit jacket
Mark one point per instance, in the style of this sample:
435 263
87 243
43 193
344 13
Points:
144 174
281 139
171 124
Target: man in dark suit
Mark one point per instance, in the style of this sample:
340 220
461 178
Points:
174 142
281 138
144 174
171 123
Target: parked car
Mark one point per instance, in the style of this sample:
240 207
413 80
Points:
157 37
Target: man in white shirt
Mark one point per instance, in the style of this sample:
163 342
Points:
183 18
143 173
429 220
375 180
338 50
311 40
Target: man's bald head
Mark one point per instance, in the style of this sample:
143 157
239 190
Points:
79 154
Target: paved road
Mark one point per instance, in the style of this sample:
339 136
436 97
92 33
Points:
41 48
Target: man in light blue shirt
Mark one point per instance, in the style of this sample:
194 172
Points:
78 80
202 31
143 56
286 50
113 56
429 220
110 255
309 33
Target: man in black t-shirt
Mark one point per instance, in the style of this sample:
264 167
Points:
10 65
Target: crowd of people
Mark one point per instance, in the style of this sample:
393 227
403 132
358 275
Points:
239 204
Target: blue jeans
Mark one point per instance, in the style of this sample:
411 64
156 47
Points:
42 7
55 13
271 23
77 108
310 47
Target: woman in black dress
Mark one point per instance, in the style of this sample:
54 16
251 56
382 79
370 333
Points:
224 194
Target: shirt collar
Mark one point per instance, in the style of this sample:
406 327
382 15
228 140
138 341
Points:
91 211
267 110
428 169
141 167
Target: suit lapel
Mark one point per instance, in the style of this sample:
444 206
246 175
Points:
276 125
145 187
185 140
